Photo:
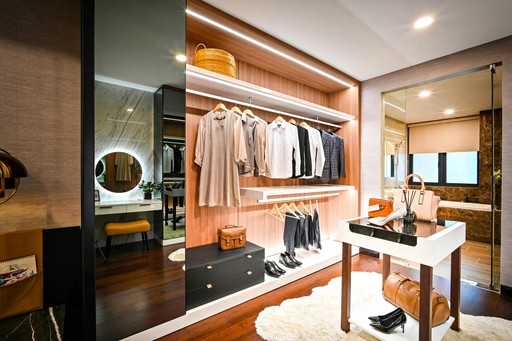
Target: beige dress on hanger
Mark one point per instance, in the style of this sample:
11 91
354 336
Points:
220 150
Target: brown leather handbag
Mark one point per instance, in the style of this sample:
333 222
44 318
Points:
379 207
404 292
231 237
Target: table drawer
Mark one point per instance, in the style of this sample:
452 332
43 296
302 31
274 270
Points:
218 271
144 207
215 290
114 209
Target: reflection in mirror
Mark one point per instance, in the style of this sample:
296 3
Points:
449 131
136 44
118 172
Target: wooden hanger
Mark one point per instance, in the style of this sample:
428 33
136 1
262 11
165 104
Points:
296 210
220 107
279 119
248 112
236 110
276 213
292 121
285 208
304 124
304 208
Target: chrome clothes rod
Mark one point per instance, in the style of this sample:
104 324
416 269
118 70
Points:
220 98
304 197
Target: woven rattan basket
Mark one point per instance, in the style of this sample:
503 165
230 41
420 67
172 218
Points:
215 60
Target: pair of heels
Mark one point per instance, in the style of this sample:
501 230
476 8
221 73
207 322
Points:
289 260
387 323
273 270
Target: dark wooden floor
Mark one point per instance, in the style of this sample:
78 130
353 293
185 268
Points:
238 323
137 289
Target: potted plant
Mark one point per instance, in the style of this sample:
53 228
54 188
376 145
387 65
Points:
148 188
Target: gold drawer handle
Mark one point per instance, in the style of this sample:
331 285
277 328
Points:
209 286
209 267
249 273
249 256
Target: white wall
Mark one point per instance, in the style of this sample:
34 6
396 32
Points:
371 121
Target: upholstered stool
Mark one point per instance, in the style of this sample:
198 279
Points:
120 228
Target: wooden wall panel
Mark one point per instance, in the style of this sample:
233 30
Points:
40 111
260 68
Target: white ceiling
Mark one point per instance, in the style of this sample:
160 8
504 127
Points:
467 94
369 38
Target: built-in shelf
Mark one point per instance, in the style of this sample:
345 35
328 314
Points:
379 306
203 82
287 193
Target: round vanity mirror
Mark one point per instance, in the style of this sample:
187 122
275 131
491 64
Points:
118 172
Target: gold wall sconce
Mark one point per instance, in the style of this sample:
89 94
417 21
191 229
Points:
11 170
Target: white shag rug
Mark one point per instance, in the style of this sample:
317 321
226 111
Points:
178 255
317 316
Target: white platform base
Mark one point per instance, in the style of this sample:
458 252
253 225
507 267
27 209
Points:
379 306
312 261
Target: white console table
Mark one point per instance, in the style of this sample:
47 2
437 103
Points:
428 245
127 206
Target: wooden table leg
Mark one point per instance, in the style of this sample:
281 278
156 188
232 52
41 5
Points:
386 268
455 288
426 274
346 273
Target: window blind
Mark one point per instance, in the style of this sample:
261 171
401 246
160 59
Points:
459 135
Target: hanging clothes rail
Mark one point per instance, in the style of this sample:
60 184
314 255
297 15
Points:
221 98
304 197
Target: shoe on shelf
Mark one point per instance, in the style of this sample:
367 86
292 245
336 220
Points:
383 317
389 324
286 261
277 267
293 259
269 270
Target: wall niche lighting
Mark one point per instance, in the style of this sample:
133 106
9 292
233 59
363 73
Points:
11 170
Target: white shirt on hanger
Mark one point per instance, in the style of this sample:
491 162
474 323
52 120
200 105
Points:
282 146
317 152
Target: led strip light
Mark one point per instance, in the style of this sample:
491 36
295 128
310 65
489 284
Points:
220 98
268 48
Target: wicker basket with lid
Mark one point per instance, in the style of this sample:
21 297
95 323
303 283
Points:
215 60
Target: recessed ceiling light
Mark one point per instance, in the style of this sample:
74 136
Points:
423 22
425 93
129 110
449 111
181 58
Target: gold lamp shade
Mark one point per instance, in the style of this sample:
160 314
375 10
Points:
11 170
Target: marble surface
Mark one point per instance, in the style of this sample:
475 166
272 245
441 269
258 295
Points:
45 324
124 121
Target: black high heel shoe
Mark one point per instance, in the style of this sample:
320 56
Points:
383 317
389 324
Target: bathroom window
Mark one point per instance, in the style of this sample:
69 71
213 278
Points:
446 169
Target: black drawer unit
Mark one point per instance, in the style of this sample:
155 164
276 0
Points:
212 273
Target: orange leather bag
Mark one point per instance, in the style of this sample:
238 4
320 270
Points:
379 207
403 292
231 237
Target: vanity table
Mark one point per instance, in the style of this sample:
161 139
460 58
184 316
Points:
428 244
127 206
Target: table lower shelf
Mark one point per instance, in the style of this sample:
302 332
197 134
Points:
379 306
